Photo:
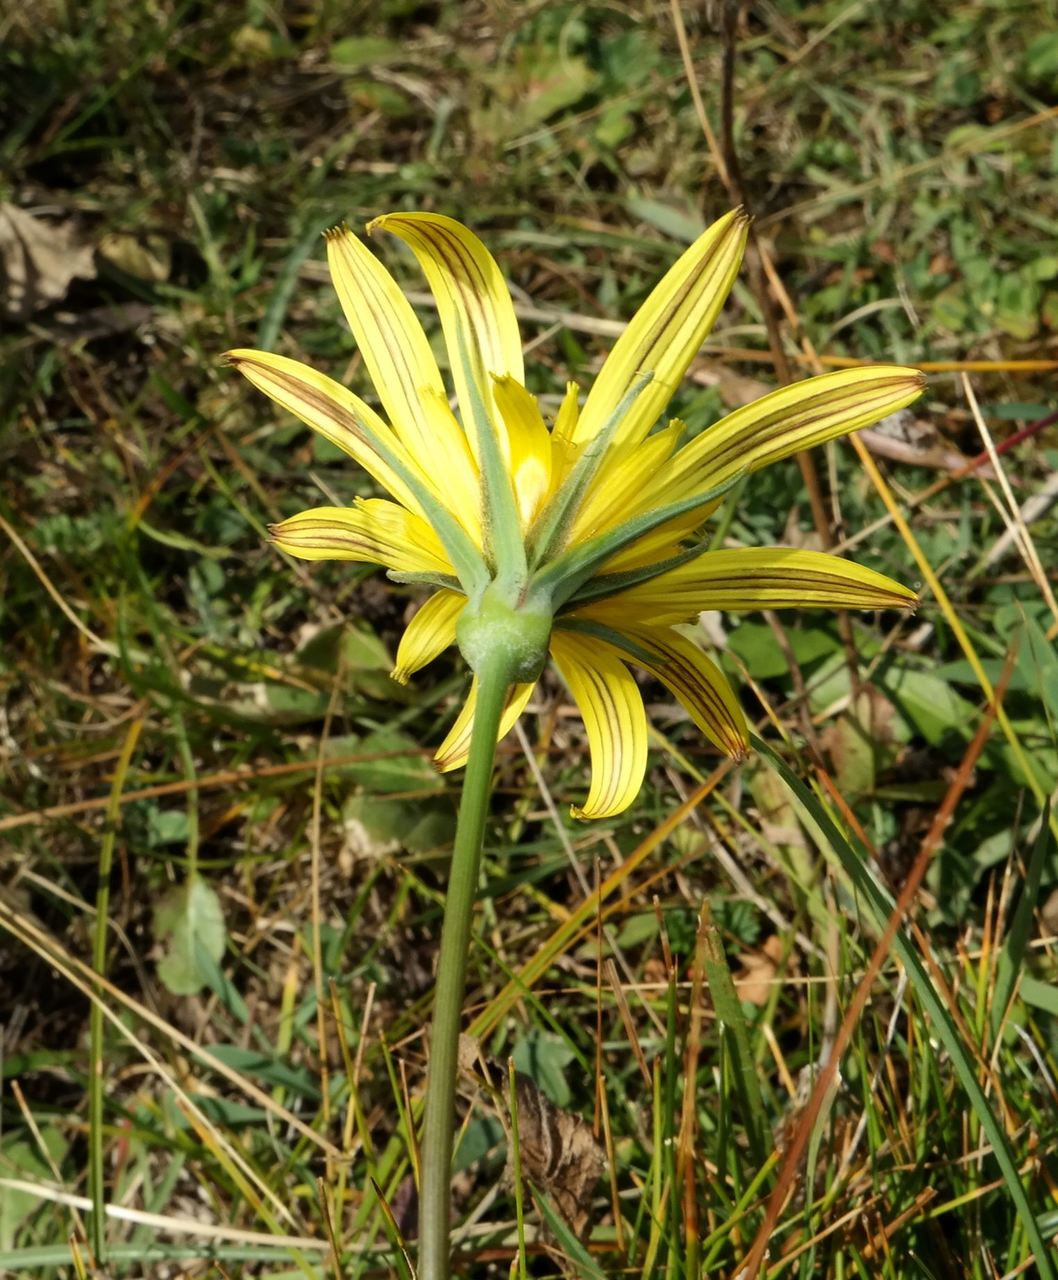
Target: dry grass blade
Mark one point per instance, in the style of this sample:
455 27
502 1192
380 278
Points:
80 975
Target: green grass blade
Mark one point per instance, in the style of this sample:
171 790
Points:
881 905
729 1011
1017 939
587 1267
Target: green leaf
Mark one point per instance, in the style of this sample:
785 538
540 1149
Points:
684 225
190 922
25 1161
375 825
861 742
356 53
483 1134
267 1069
951 308
928 703
638 929
1039 663
1042 995
544 1058
754 643
181 542
400 765
1041 58
542 83
166 826
1018 305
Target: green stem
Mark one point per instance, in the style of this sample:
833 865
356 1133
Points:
494 680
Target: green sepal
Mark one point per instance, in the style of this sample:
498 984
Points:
446 580
503 529
466 559
609 584
552 528
491 631
600 631
560 580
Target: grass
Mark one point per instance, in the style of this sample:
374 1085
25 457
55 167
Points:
223 847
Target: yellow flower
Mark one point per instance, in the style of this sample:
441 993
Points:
582 538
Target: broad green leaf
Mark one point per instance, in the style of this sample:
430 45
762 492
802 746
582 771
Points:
356 53
637 929
1041 57
928 703
483 1134
24 1160
754 643
1042 995
544 1058
376 825
682 224
166 826
189 921
852 750
400 764
267 1070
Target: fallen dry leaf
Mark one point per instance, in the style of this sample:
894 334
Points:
38 260
754 981
558 1151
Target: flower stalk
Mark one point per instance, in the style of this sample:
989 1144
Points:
495 678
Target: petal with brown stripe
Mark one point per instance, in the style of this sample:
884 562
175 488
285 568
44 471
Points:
374 531
614 720
474 303
667 331
429 634
744 579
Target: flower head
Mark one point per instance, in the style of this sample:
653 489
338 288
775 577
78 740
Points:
582 538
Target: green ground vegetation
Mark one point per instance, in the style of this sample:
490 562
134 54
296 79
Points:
222 845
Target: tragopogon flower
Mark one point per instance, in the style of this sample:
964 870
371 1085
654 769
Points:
584 538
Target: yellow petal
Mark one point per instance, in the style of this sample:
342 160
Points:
565 427
697 682
329 409
753 578
454 477
474 304
530 446
614 719
428 634
659 544
783 422
453 752
375 531
615 492
563 451
391 340
405 375
666 333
